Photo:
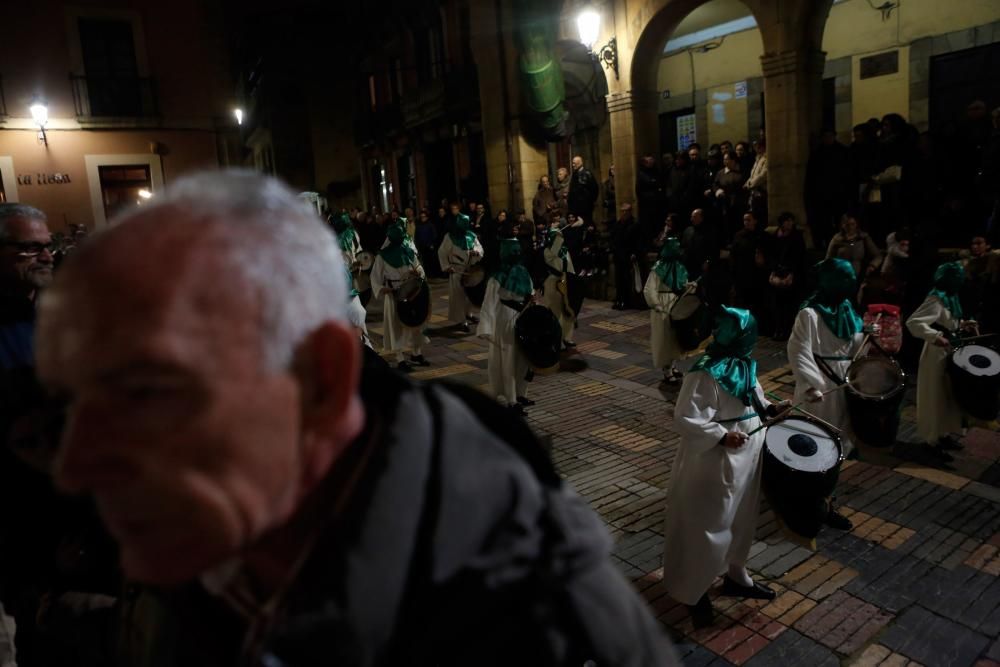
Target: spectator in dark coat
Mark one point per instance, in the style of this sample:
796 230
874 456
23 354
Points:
650 195
699 244
786 272
583 190
626 246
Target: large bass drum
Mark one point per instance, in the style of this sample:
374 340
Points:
474 283
688 320
413 302
875 390
801 464
975 380
539 336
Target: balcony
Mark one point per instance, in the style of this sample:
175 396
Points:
114 100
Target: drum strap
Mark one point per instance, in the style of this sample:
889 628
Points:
514 305
827 371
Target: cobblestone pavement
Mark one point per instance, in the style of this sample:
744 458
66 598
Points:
916 582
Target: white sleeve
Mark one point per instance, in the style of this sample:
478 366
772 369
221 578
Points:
378 274
478 249
694 414
930 312
801 349
488 312
656 298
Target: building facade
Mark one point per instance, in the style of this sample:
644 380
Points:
103 104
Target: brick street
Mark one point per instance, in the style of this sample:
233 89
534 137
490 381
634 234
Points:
916 582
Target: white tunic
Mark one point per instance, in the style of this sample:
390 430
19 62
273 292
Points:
552 298
811 336
396 337
506 365
714 495
662 339
457 261
938 413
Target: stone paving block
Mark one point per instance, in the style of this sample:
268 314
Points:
740 653
930 639
792 648
873 655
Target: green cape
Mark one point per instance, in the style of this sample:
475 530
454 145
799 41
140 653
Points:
727 359
461 233
512 275
832 298
398 253
672 273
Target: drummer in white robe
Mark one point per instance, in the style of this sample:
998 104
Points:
667 281
937 318
559 263
508 292
459 251
714 496
825 338
395 264
350 245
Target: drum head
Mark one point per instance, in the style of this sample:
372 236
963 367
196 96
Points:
366 260
977 360
803 445
685 307
875 377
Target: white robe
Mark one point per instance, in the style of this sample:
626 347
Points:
506 364
396 337
938 414
811 336
552 298
714 495
458 261
662 339
356 315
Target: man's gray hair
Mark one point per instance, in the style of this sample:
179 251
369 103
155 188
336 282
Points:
276 242
9 211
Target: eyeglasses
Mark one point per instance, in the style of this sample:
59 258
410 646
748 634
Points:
28 249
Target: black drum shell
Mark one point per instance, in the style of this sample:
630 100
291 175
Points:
797 497
691 331
539 336
875 420
978 395
414 311
474 283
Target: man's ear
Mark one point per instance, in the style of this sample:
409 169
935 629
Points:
329 368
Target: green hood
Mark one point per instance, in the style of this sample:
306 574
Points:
398 253
837 283
512 275
345 231
461 233
727 359
672 273
948 280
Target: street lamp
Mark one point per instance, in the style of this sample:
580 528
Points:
239 116
588 23
40 115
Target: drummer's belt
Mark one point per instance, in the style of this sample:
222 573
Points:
827 371
555 272
736 420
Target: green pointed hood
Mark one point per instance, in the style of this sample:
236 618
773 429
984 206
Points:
398 253
727 359
948 280
512 275
672 273
837 284
461 233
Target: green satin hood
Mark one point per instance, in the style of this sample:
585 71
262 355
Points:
672 273
345 231
512 275
398 253
948 280
836 285
461 233
727 359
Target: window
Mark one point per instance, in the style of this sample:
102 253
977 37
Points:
120 186
111 81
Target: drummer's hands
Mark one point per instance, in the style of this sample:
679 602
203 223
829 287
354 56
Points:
814 396
779 409
734 440
874 329
941 341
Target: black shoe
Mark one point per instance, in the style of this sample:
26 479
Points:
517 409
758 591
618 306
836 520
473 319
939 454
419 360
702 614
525 401
404 367
568 344
464 326
949 444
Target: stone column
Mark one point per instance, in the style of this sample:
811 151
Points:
634 124
793 97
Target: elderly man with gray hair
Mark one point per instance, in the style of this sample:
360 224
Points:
277 501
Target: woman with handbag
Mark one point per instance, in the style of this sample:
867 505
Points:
788 250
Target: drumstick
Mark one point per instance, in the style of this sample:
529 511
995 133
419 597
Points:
867 338
797 406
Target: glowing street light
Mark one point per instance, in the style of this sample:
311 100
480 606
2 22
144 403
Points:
239 116
40 115
145 194
589 25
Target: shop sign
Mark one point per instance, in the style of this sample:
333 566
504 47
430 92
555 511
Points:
42 179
